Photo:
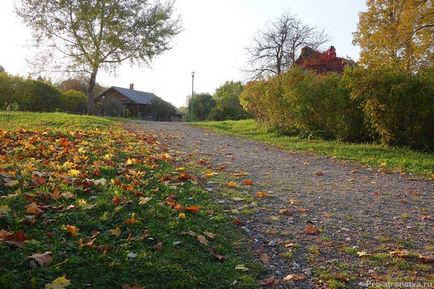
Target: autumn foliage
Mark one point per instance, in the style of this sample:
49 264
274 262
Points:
100 198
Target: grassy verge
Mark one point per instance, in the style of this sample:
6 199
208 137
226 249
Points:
84 202
393 159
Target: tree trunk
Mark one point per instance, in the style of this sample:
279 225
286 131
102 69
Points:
91 93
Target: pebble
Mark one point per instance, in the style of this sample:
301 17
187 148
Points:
295 266
272 244
307 271
245 229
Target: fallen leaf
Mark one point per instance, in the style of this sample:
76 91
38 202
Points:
218 256
58 283
184 176
116 231
311 229
74 173
181 216
72 230
44 259
319 174
286 212
232 184
158 246
426 258
83 244
241 267
261 194
4 210
294 277
202 239
33 209
271 281
362 254
144 200
104 249
247 182
193 209
132 255
12 184
209 234
264 258
399 253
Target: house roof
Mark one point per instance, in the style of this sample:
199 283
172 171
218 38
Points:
136 96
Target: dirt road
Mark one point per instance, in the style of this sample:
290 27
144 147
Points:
367 225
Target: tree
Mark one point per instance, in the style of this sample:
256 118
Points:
276 49
227 98
203 103
101 34
396 31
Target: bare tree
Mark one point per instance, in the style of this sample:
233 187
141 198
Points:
276 48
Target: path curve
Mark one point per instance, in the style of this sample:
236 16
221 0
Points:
354 206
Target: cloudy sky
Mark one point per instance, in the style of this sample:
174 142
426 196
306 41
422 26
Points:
213 42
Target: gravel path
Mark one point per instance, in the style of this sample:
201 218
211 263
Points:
354 208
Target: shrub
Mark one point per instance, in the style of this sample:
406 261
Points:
73 101
398 105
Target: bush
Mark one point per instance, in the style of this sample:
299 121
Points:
73 101
311 105
398 105
321 106
227 98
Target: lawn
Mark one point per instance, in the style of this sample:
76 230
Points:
86 204
378 156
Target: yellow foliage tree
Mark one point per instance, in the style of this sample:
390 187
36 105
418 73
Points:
397 31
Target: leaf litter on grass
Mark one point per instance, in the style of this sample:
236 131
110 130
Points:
83 199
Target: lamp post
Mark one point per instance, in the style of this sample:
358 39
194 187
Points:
192 94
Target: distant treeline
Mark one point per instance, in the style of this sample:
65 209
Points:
25 94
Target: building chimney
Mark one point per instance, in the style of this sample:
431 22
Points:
132 86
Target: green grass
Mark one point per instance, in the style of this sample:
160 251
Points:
56 121
393 159
160 250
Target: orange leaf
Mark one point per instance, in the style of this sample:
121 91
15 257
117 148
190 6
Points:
193 209
72 230
247 182
33 209
131 220
310 229
261 194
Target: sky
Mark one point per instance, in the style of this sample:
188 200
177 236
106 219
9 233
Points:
213 42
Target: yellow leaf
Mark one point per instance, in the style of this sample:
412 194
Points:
116 231
74 173
58 283
4 209
181 216
232 184
67 165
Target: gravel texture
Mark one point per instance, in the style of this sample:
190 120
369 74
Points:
353 208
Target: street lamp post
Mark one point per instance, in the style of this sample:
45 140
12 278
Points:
192 94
